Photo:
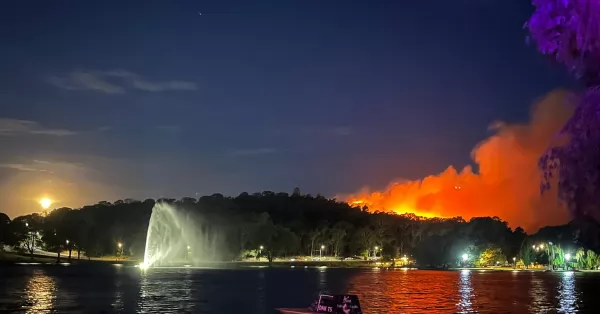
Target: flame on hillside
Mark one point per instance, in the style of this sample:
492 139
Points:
400 209
506 185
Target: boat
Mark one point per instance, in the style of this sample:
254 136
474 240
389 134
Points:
328 303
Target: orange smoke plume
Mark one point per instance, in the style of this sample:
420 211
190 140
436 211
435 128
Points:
506 184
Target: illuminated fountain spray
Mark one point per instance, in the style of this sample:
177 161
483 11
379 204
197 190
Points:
176 237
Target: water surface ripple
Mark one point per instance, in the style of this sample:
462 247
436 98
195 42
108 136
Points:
118 289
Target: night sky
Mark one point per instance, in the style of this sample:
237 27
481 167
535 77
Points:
104 100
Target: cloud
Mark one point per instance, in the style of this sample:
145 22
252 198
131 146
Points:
506 185
19 167
13 127
254 152
36 165
116 82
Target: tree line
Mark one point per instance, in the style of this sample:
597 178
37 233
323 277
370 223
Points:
284 225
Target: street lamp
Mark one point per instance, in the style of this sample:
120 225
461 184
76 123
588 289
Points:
67 241
465 257
375 252
321 252
120 246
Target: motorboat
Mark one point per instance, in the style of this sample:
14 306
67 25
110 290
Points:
328 303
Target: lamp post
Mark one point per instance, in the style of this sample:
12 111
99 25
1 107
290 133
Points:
119 250
321 252
567 259
68 248
375 252
260 252
515 262
465 258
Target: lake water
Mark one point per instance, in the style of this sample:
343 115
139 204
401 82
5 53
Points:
113 289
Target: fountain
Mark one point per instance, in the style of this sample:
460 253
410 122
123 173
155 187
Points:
178 237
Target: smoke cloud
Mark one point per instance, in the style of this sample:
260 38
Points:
507 183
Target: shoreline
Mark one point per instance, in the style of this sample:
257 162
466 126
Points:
8 259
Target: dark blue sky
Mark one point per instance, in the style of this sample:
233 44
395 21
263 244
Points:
114 99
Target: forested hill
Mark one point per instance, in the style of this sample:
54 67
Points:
287 225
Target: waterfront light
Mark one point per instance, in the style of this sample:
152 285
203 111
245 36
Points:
120 245
465 257
67 241
568 256
262 247
514 259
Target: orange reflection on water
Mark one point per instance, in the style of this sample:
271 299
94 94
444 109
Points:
404 291
40 292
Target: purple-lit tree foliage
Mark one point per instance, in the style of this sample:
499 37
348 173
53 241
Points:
569 32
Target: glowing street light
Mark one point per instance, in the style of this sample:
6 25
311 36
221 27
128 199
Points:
465 257
120 250
321 252
67 241
27 224
568 257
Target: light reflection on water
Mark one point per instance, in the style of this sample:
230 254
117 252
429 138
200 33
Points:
539 296
40 292
566 293
465 291
73 289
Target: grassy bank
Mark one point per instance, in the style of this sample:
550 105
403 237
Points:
15 258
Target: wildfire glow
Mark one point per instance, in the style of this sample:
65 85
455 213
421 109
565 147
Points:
506 183
399 209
